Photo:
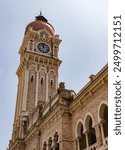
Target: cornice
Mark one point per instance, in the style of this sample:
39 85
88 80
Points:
42 58
38 59
99 80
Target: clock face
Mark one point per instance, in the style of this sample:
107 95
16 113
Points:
44 48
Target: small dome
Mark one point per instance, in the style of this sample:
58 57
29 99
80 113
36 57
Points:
41 23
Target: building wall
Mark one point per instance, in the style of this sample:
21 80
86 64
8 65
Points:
49 117
89 108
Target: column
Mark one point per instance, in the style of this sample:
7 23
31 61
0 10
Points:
25 89
56 82
98 136
87 138
102 131
47 87
37 84
76 144
17 102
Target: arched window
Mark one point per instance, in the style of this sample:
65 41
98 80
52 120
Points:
51 83
42 80
90 131
103 114
44 146
105 125
81 137
50 144
55 140
32 78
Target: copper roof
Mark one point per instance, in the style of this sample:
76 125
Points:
41 23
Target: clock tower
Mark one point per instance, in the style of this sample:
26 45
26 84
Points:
37 71
49 116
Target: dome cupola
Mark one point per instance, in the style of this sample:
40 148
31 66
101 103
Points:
41 23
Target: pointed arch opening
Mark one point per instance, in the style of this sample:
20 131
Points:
81 136
42 85
45 146
90 130
31 89
50 143
32 78
41 81
51 83
55 140
103 114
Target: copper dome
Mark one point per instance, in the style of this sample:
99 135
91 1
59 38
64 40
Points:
41 23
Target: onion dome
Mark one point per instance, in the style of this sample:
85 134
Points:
41 23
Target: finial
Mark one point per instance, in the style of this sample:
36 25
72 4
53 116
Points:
40 17
40 12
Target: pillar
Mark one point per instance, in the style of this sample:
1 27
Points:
47 87
76 144
102 131
87 138
25 89
37 83
98 136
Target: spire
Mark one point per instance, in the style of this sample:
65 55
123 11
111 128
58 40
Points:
40 17
40 12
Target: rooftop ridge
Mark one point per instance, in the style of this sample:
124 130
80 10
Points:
96 76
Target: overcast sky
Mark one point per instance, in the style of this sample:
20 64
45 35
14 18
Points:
82 26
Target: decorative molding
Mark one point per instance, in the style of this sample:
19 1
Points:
90 89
